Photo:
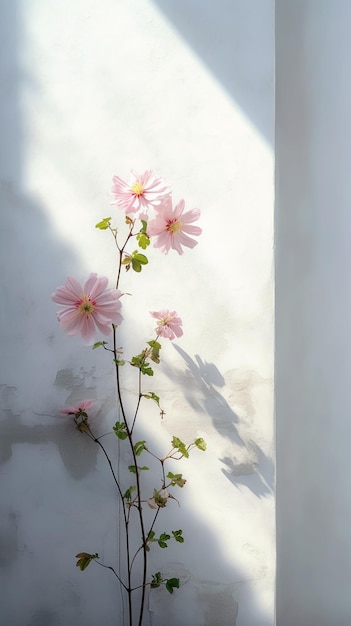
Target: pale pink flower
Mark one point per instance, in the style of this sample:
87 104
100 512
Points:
172 227
159 499
80 407
87 308
140 192
169 325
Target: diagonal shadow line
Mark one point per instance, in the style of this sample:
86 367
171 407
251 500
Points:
247 29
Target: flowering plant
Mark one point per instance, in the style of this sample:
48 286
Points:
94 308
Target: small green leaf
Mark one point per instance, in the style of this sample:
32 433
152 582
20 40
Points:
133 468
136 266
126 260
98 344
143 240
84 559
156 580
139 361
128 494
172 583
139 447
162 541
150 395
176 479
143 260
104 224
120 430
178 535
201 444
181 447
119 362
155 350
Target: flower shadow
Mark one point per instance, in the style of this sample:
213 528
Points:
245 463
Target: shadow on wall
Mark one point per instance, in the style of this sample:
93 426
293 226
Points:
199 602
249 465
208 26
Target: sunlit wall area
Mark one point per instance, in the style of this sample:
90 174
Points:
97 89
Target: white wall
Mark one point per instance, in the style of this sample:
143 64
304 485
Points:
90 90
313 307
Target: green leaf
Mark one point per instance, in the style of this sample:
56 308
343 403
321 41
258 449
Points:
133 468
172 583
144 227
155 350
104 224
120 430
139 447
176 479
126 260
147 370
156 580
178 535
128 494
136 266
143 240
140 257
84 559
139 361
98 344
201 444
181 447
162 541
119 362
150 395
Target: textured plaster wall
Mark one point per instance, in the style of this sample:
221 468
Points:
313 310
90 90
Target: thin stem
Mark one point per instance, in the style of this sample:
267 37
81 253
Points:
96 440
138 403
114 571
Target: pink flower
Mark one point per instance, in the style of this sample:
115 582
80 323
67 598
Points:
169 325
172 227
87 308
141 192
159 499
80 407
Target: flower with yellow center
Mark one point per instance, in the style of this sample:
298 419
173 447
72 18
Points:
88 308
140 193
137 188
169 325
85 306
174 226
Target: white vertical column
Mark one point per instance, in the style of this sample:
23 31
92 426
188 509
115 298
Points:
313 312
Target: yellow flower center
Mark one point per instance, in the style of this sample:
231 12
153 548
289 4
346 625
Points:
137 189
174 227
85 307
164 322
